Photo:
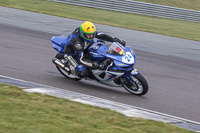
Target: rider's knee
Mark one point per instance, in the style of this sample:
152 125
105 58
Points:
81 71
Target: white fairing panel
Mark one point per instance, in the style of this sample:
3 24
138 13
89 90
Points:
128 58
108 78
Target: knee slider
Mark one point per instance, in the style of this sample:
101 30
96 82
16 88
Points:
81 71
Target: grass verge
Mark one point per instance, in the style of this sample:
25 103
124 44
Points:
176 28
22 112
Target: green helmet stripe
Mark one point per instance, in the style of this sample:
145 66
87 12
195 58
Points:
85 32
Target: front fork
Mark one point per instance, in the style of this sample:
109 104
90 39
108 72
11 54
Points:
127 76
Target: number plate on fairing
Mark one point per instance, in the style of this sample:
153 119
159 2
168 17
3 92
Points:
128 58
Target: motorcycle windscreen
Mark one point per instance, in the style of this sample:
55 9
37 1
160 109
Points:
115 49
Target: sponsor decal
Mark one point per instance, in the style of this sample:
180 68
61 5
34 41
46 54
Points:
119 50
135 71
93 53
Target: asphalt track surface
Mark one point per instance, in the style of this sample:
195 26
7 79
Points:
173 78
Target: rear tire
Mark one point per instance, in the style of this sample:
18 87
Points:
140 86
68 75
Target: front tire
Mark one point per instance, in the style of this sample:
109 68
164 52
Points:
68 75
140 86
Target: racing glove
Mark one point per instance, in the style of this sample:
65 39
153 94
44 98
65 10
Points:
65 56
122 42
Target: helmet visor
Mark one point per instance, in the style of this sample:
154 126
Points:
89 36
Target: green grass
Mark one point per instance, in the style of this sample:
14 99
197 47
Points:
187 4
22 112
176 28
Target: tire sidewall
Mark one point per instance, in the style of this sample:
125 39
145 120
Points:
144 83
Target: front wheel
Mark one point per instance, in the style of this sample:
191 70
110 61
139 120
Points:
139 87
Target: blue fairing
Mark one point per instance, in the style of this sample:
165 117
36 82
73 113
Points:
101 52
119 59
98 52
58 43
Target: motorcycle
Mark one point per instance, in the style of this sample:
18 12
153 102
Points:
120 61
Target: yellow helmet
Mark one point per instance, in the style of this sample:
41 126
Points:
87 31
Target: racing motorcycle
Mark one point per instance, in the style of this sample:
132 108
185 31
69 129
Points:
119 60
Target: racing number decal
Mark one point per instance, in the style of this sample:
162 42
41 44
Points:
128 58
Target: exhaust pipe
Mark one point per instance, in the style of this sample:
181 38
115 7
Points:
58 63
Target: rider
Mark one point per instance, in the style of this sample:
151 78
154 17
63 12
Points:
78 41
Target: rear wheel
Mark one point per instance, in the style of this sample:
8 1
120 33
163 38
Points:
60 56
139 87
